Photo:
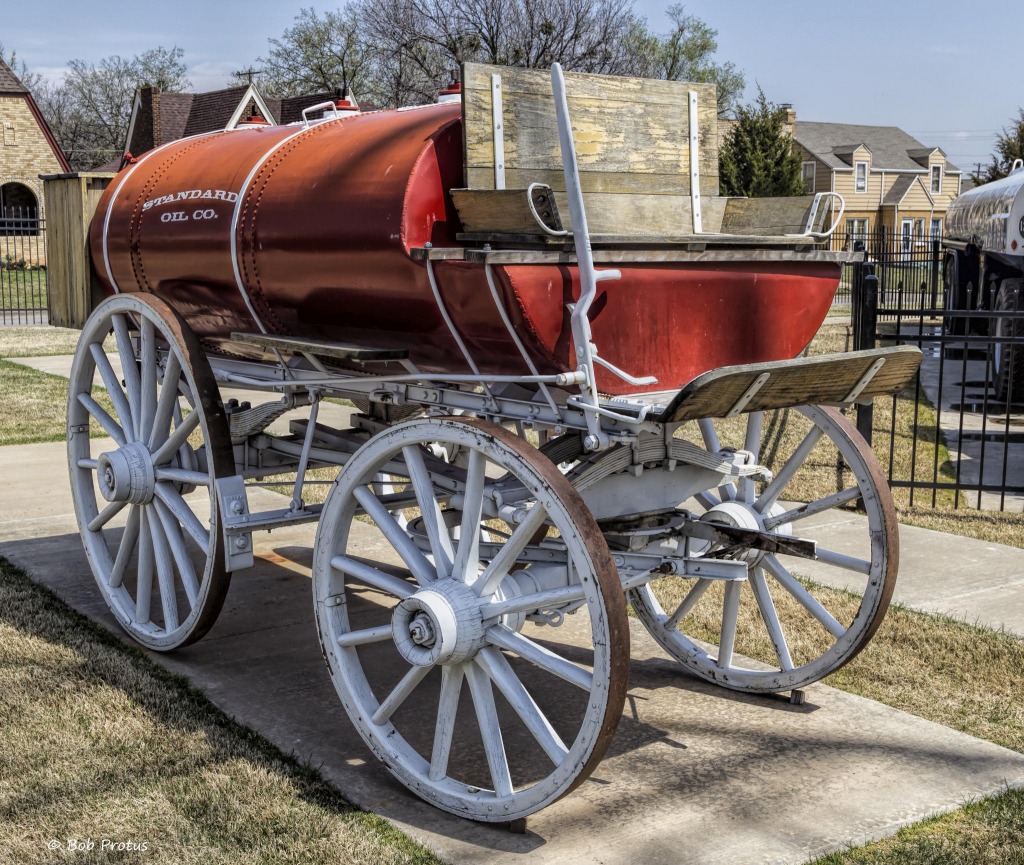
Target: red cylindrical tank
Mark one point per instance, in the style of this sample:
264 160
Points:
307 231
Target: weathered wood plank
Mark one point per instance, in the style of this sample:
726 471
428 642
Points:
629 126
768 215
597 181
505 210
648 256
803 381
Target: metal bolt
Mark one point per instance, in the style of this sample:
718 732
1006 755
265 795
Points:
421 629
241 542
591 443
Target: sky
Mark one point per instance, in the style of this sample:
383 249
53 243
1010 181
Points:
940 70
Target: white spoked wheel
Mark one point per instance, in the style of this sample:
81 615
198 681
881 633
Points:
781 628
433 643
144 496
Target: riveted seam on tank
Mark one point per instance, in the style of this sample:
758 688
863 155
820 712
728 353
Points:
250 207
135 223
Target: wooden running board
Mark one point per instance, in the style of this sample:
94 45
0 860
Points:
827 378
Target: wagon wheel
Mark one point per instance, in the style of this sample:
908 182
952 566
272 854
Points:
439 662
145 502
797 630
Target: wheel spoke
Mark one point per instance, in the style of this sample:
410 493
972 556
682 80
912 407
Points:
752 444
813 508
502 563
688 603
176 439
398 696
179 507
117 396
433 520
422 570
166 402
730 615
766 605
534 601
176 540
771 493
104 516
839 560
444 727
164 574
792 585
467 557
183 476
707 431
500 670
86 463
125 549
506 638
129 368
388 583
147 399
490 729
365 636
144 588
110 426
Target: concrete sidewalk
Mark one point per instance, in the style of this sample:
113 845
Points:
695 774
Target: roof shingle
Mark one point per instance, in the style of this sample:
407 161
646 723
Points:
890 146
9 82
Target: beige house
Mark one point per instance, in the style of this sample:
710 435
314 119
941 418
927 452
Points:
29 150
888 179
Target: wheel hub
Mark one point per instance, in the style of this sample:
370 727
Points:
743 515
127 474
440 624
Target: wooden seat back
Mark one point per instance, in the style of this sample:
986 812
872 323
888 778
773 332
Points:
632 138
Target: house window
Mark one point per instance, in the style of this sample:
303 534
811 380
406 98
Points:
860 171
856 232
936 228
809 175
10 135
919 229
936 179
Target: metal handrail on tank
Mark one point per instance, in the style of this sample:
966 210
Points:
586 350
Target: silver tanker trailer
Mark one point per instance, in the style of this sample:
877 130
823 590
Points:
984 272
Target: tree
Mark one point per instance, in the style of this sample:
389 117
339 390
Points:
31 80
401 51
90 107
686 54
317 53
1009 147
757 158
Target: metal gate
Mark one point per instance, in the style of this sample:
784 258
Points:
955 438
22 267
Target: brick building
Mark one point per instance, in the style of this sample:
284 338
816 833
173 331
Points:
28 150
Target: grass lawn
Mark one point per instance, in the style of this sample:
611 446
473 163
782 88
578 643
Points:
37 341
98 742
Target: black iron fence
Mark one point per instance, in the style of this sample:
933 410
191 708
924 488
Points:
955 437
22 267
909 266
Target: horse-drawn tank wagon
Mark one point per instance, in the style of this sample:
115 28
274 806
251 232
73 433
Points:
567 355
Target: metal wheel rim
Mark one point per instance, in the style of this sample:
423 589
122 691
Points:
157 517
879 582
604 601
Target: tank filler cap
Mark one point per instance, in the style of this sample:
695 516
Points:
343 106
453 92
